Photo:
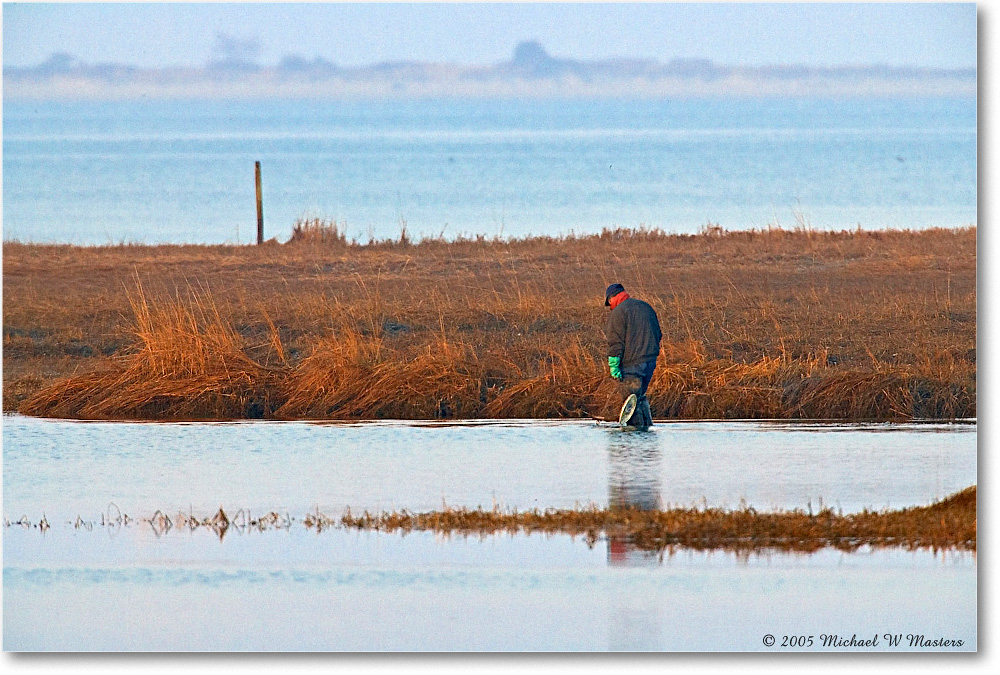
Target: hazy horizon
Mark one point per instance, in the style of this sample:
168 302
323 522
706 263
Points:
159 36
62 60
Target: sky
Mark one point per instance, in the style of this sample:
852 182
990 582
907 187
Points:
171 34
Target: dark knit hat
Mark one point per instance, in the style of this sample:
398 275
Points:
613 290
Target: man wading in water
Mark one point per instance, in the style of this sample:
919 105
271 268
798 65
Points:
633 344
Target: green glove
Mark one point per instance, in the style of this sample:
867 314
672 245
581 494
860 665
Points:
615 363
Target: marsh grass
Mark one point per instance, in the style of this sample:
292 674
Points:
948 524
767 324
951 523
189 364
192 364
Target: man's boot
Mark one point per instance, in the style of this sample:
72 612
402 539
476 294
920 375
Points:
640 418
647 415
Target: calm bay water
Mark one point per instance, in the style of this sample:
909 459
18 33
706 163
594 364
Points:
136 588
99 173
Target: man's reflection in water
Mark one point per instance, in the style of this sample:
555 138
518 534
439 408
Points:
634 458
635 620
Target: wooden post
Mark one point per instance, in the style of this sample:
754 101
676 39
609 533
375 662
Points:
260 205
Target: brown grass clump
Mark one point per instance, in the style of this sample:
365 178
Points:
318 231
347 377
872 396
950 523
805 388
570 383
190 364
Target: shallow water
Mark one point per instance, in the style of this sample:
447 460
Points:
125 588
182 172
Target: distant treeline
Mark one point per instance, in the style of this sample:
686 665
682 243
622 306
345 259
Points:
530 71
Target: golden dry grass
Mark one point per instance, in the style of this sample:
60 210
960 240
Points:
189 364
846 325
948 524
951 523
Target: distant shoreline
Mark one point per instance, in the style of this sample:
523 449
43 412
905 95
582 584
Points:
530 73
